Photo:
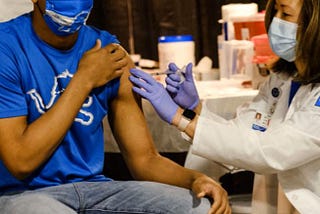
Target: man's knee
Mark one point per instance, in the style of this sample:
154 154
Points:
178 200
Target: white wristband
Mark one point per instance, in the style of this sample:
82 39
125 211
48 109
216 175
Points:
186 117
183 123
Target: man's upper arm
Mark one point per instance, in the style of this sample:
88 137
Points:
128 123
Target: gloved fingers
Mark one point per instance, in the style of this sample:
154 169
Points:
173 67
141 83
188 74
174 77
173 82
143 75
172 90
141 92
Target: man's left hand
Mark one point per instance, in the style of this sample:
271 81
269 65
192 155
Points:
207 187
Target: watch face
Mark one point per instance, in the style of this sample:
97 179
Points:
189 114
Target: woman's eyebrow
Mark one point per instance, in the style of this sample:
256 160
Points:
289 5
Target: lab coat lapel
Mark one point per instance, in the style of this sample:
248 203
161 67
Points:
299 100
282 102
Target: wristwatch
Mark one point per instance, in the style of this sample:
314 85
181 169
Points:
187 116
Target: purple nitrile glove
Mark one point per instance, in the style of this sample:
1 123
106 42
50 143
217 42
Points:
185 94
146 86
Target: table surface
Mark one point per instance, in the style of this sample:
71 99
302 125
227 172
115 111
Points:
223 88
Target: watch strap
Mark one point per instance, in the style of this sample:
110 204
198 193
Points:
189 114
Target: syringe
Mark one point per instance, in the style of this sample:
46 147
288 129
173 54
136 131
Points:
181 72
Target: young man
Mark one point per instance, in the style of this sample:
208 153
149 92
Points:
58 80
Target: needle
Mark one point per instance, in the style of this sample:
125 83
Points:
161 73
180 72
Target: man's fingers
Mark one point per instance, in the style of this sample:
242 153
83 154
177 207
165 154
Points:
201 194
112 48
123 62
96 46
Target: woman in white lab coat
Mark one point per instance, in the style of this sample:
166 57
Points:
279 132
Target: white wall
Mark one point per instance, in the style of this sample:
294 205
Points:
13 8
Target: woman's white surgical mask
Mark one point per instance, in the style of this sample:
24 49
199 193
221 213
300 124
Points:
283 38
65 17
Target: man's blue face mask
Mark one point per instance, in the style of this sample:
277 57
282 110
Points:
282 36
65 17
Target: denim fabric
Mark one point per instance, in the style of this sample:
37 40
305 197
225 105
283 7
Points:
113 197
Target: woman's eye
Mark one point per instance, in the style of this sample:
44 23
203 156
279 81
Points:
285 14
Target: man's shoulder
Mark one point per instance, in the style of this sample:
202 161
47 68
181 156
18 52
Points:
16 22
105 36
14 27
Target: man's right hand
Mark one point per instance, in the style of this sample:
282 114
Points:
100 65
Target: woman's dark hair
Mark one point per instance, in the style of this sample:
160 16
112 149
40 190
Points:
308 42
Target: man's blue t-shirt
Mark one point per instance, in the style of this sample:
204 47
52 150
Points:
33 75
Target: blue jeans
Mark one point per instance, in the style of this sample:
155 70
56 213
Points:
112 197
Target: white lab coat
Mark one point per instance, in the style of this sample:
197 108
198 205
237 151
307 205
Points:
290 147
10 9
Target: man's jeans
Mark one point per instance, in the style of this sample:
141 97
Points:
112 197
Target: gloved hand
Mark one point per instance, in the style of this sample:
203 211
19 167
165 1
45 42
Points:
184 94
146 86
